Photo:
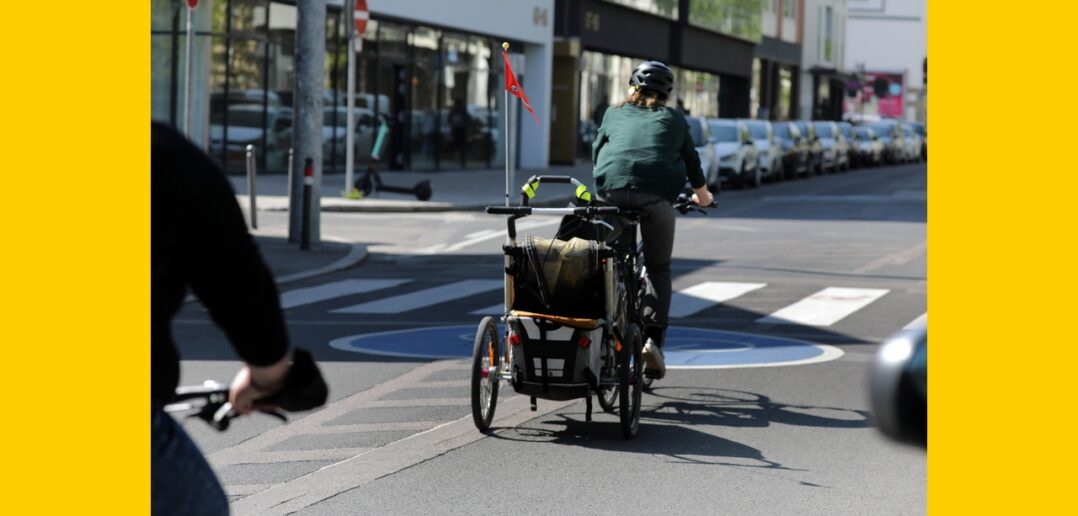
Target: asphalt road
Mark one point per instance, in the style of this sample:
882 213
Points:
836 260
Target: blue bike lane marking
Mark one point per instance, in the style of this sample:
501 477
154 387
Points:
686 348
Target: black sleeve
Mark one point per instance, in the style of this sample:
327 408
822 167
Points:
222 263
692 159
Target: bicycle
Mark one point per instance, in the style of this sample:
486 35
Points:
572 335
304 389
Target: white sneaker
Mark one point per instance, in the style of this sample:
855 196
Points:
654 364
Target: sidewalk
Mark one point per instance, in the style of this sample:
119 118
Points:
453 190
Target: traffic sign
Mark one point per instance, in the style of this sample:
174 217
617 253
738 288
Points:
361 16
686 348
192 4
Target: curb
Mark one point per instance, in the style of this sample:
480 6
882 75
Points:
357 253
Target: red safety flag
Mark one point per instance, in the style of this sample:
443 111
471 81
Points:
513 86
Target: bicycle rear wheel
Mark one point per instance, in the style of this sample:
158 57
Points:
486 361
630 380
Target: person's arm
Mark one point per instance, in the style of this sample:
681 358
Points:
700 195
227 273
600 140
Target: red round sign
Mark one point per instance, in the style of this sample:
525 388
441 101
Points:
192 4
361 16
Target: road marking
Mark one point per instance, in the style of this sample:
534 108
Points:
825 307
497 309
917 323
306 296
899 196
482 236
691 300
422 298
900 258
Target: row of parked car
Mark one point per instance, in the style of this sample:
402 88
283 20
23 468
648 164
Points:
746 153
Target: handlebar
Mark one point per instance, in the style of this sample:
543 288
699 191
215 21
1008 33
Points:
583 211
304 389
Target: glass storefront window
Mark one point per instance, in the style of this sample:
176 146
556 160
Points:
423 137
785 92
409 77
740 18
698 92
465 117
667 8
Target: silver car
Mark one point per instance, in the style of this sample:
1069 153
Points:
768 149
735 152
701 136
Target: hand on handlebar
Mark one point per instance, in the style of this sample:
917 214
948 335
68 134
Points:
702 197
253 383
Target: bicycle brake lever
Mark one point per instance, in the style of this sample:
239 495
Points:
603 222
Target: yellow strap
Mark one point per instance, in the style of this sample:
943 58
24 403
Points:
530 188
582 193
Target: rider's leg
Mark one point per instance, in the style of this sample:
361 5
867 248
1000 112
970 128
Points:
181 481
658 233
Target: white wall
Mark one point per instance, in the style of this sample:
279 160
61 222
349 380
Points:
891 36
895 39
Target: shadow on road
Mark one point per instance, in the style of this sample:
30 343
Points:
670 428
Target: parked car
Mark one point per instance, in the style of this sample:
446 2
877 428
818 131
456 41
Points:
816 157
869 149
913 142
701 138
795 150
833 157
768 149
845 132
891 136
245 126
335 134
735 152
922 130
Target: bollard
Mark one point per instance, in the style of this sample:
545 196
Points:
290 152
305 225
251 196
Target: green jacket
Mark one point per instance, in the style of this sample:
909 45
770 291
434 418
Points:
645 149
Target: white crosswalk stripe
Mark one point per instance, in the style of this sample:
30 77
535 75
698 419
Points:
490 310
917 323
696 298
423 298
306 296
825 307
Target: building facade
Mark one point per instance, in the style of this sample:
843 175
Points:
709 43
888 48
434 76
823 47
776 70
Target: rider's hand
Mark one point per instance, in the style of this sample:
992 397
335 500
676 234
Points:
256 382
702 197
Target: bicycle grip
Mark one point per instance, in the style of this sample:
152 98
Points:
304 388
509 210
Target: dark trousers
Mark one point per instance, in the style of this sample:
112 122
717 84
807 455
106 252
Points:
181 480
657 230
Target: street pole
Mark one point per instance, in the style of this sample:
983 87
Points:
187 74
251 195
349 152
308 109
505 108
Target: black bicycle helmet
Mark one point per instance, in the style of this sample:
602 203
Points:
654 76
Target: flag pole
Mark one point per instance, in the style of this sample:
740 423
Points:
505 111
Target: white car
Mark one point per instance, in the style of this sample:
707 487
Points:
768 149
913 142
245 126
701 138
735 152
833 158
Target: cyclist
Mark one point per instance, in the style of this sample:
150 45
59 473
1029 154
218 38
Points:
643 153
200 240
